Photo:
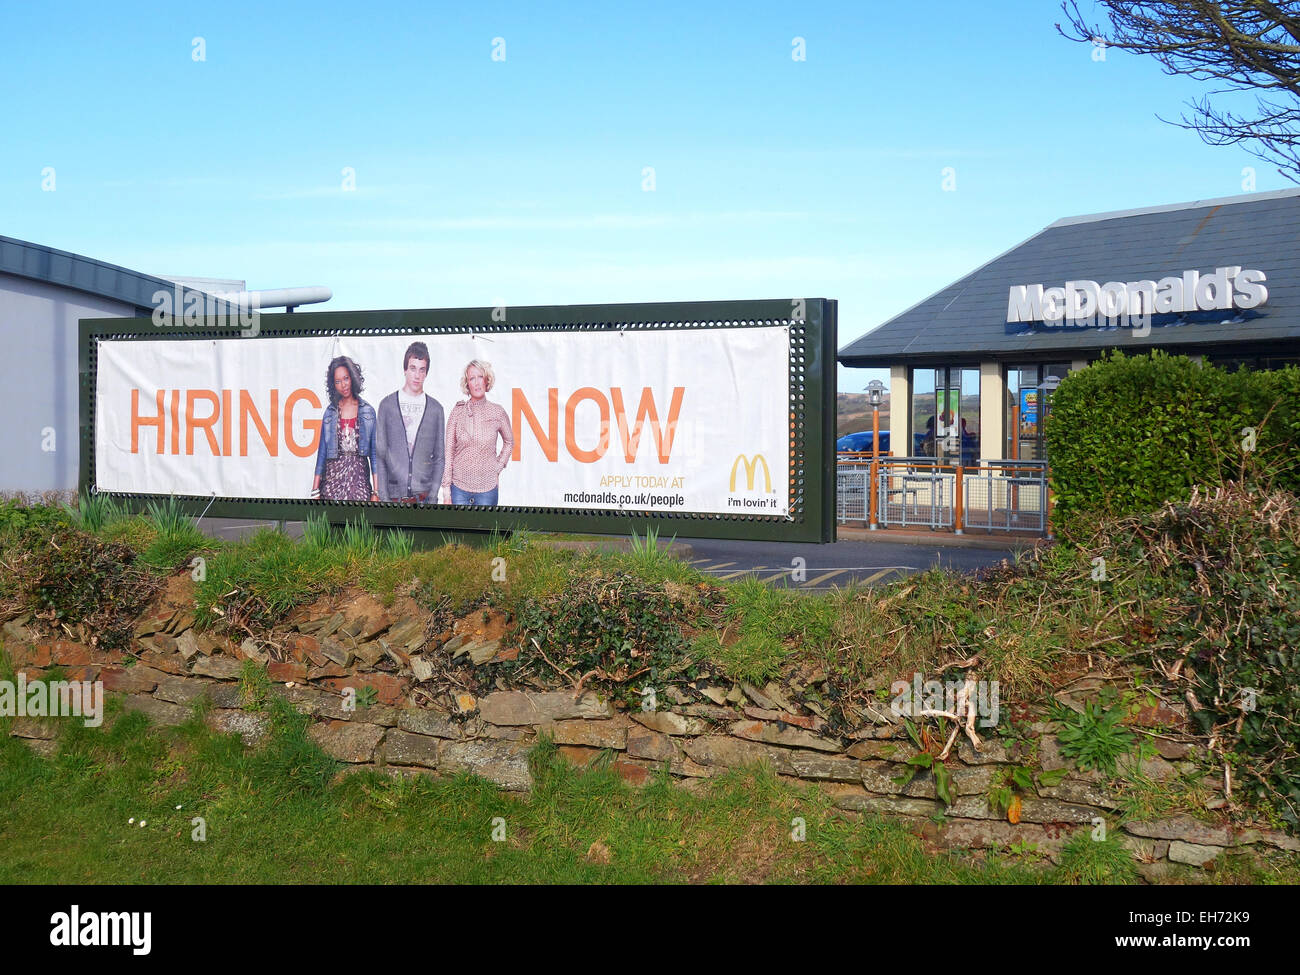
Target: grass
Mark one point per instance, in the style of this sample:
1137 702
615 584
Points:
1089 861
136 531
1143 799
176 536
260 578
277 574
646 553
254 686
763 628
752 657
95 512
278 814
511 543
316 533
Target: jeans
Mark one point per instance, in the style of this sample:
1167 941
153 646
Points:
484 498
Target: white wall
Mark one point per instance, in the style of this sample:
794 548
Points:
38 325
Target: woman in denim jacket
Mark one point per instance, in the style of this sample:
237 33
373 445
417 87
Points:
345 460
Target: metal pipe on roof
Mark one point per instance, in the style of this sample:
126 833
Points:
279 297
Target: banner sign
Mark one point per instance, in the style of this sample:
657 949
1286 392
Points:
689 420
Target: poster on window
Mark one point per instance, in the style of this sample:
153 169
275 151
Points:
644 420
1028 410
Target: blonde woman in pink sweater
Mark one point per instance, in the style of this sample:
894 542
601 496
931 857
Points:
474 464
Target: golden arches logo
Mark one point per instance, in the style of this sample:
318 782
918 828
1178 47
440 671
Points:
751 470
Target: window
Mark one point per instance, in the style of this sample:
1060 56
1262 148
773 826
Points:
1232 363
1024 408
946 415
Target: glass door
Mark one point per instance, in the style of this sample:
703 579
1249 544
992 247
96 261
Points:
946 415
957 417
947 429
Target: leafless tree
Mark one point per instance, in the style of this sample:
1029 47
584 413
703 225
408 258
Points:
1247 45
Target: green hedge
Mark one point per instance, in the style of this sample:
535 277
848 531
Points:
1127 434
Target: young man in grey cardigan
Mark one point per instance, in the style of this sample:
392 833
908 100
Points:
408 437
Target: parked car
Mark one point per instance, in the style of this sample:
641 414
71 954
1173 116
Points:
862 441
923 445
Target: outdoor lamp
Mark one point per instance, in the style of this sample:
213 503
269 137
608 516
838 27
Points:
1047 386
875 393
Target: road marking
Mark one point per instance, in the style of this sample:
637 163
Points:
879 575
823 578
878 572
862 568
742 572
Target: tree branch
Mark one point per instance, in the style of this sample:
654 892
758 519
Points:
1250 45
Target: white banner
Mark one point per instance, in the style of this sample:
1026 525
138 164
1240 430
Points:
680 420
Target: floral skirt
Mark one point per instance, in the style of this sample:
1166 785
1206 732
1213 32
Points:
346 478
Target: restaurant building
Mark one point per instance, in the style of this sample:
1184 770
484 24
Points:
970 365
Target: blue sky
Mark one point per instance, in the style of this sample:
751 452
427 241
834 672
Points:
521 180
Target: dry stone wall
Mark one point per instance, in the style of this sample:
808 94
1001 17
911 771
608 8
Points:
327 653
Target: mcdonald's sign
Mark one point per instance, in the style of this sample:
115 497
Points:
751 469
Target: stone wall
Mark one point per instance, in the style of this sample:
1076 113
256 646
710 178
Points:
356 643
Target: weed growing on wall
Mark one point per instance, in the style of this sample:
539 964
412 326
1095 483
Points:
72 577
16 518
613 630
1095 739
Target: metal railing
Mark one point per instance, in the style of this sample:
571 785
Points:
1007 496
998 495
852 459
915 491
852 485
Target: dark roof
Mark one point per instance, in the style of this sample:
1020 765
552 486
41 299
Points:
40 263
967 319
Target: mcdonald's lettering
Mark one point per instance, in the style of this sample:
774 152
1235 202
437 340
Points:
751 469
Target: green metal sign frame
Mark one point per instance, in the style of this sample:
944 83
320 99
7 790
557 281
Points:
813 348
